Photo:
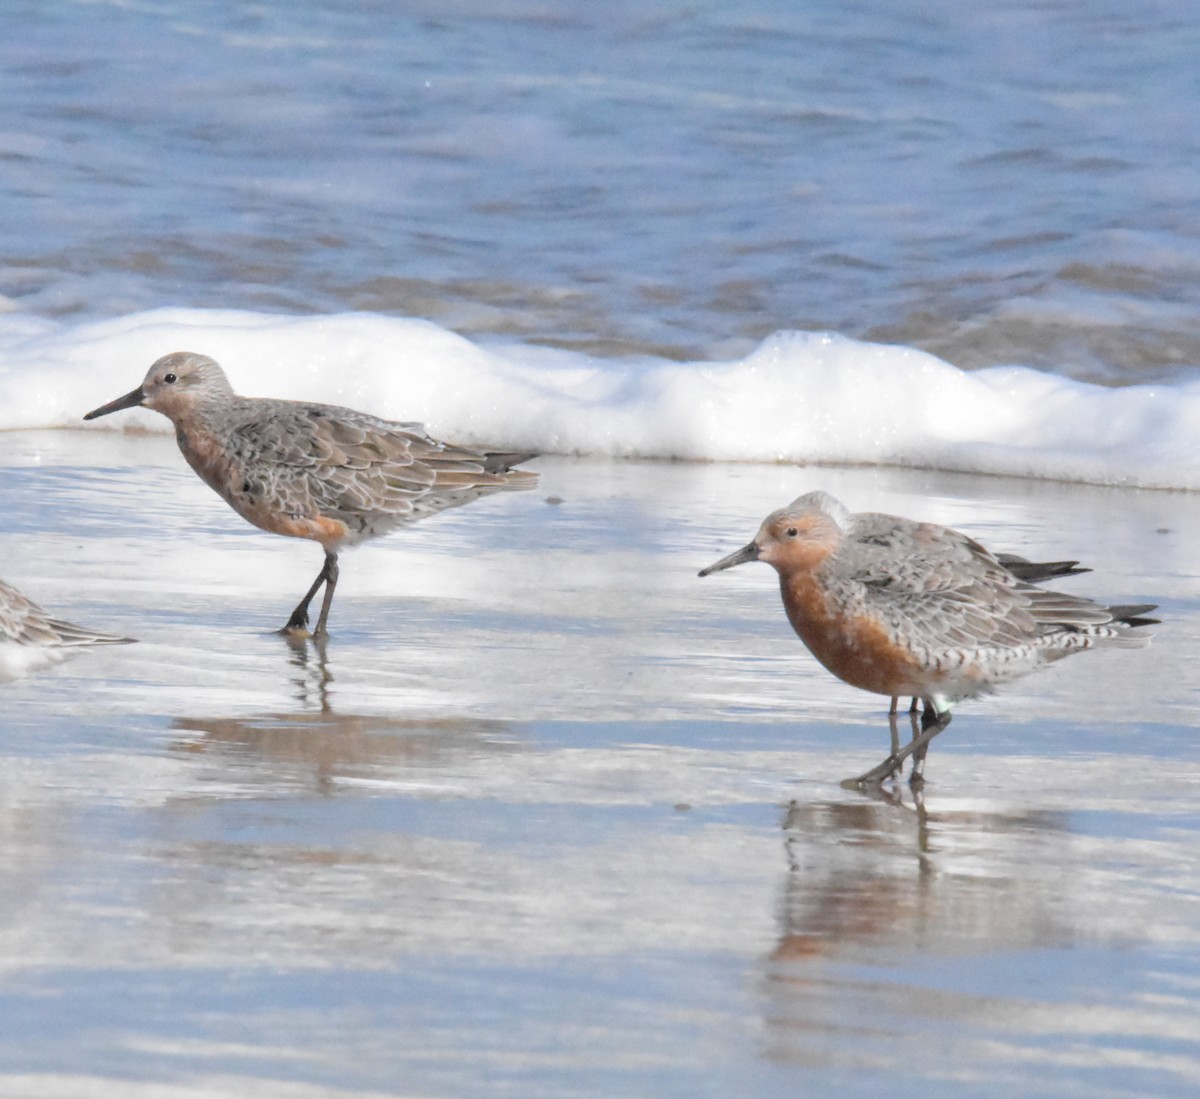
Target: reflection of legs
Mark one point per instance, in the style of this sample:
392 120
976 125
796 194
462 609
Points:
315 675
931 723
327 576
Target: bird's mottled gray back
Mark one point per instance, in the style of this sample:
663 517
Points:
908 556
936 588
302 459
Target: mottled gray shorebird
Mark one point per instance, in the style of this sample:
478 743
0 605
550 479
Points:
315 471
31 636
903 608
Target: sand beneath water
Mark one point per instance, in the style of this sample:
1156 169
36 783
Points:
550 815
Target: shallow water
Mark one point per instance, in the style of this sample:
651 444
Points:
552 816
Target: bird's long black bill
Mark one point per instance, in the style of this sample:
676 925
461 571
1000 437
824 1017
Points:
130 400
738 557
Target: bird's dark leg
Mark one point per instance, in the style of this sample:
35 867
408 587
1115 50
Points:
916 777
298 623
932 723
930 715
331 579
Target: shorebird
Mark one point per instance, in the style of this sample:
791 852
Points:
315 471
30 636
903 608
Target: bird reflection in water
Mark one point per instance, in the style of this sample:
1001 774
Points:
319 742
312 686
334 748
872 890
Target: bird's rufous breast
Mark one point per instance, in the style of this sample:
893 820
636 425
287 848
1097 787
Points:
852 644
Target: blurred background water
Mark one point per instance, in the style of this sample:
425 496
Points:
1013 182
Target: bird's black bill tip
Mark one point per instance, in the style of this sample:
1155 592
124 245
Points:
130 400
738 557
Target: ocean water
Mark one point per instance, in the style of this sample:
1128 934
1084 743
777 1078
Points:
1007 186
549 815
1012 183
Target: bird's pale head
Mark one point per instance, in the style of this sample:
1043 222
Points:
795 538
175 385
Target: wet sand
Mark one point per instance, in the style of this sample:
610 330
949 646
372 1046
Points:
551 816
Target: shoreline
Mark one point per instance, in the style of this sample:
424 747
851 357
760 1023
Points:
565 815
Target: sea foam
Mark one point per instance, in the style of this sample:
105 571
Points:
800 397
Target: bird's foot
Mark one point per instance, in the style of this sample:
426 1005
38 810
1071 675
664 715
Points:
297 626
878 774
297 630
932 723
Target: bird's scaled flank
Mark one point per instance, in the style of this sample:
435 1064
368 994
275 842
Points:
322 472
31 636
904 608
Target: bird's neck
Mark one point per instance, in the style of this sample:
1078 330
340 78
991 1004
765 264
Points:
804 600
202 440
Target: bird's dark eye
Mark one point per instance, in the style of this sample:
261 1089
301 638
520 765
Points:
170 379
792 532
